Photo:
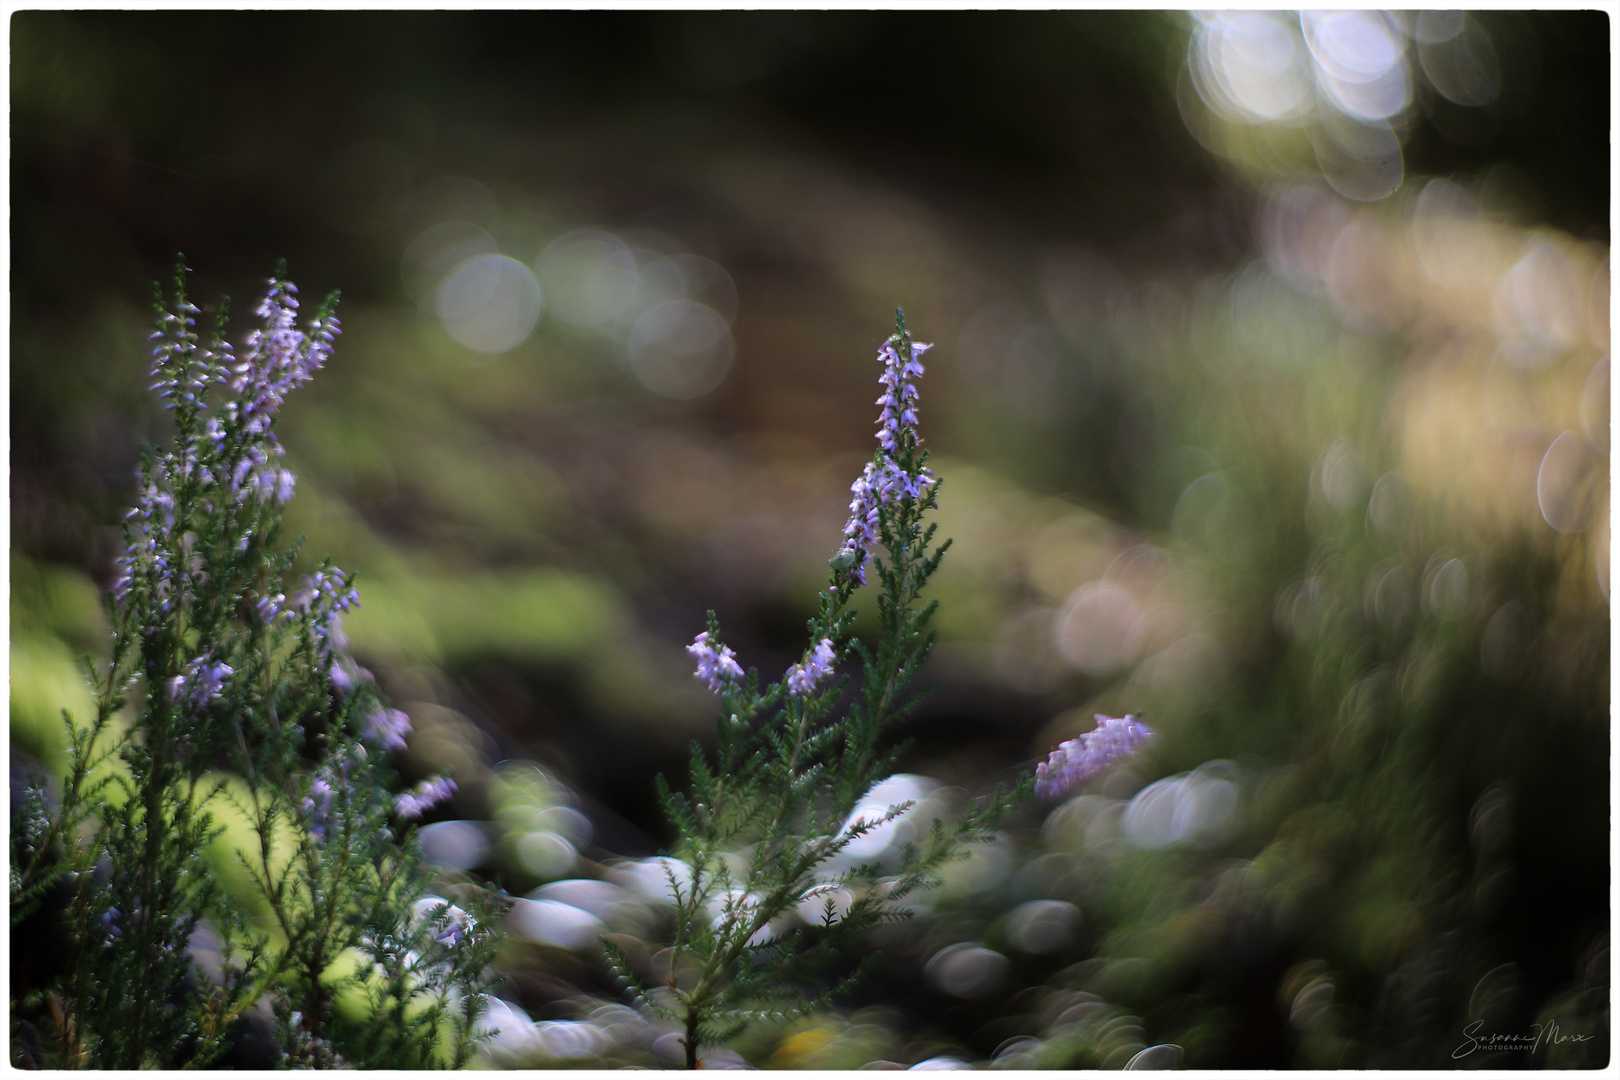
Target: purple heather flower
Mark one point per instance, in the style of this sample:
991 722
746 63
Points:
176 342
387 728
325 596
1077 760
716 663
318 804
279 357
328 591
268 607
201 683
345 675
883 480
899 393
453 934
424 797
458 924
803 678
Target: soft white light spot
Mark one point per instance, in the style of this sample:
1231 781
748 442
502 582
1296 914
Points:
966 971
657 879
490 303
892 791
590 278
551 922
1361 62
1042 926
460 845
1561 488
1181 809
681 349
1250 66
545 854
1093 629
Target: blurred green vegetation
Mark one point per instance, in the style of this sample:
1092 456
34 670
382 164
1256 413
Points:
1317 484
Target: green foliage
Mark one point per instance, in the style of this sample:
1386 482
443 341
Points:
765 827
221 697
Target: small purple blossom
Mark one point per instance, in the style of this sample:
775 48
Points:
318 805
181 369
1077 760
279 357
268 607
458 924
716 663
345 675
899 397
884 480
803 678
387 728
424 797
202 682
326 595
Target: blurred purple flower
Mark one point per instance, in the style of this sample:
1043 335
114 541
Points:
181 369
201 683
1077 760
326 595
803 678
346 675
458 924
279 357
387 728
716 664
424 797
268 607
318 805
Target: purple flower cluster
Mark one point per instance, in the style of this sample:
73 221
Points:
202 682
1077 760
345 675
884 480
803 678
387 728
716 664
424 797
899 398
318 804
279 357
181 369
326 595
151 521
457 926
112 925
235 454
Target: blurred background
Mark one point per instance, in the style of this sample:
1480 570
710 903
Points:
1270 390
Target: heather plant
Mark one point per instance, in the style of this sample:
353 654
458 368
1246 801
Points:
228 693
766 891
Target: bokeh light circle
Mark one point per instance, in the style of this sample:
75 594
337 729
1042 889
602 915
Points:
1250 66
490 303
590 278
681 349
